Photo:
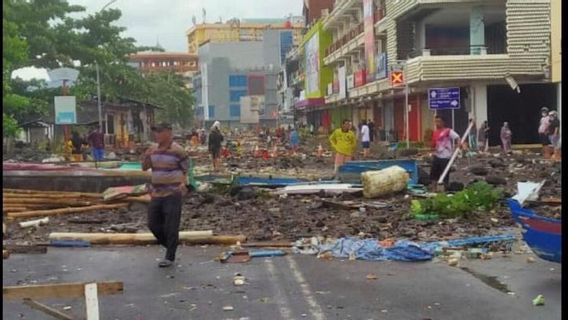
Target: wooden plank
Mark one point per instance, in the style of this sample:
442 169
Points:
41 213
268 244
92 301
58 290
47 310
188 237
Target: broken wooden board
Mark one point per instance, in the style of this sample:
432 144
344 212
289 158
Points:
58 290
47 310
268 244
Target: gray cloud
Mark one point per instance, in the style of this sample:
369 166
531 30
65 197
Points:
168 20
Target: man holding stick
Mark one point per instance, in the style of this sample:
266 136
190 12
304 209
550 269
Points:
442 142
169 164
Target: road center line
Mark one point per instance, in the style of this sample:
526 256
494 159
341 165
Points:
284 306
315 308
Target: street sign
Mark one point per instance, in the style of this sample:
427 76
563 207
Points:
65 110
397 78
444 98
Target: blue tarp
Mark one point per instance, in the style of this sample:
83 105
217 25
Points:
370 249
403 250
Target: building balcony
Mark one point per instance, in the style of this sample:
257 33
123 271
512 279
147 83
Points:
339 11
345 50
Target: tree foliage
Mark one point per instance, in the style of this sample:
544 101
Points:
42 33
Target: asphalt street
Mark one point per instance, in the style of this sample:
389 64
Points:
290 287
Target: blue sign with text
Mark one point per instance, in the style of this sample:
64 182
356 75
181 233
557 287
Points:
444 98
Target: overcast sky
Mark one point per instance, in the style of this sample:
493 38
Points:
168 20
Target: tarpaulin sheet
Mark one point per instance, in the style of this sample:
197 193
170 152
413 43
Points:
370 249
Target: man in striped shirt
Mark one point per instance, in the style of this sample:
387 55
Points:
169 164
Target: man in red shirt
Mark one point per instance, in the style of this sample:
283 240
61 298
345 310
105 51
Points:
96 140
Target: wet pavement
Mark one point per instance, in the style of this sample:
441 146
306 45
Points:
291 287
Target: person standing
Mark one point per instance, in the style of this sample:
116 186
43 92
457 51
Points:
96 140
483 138
344 142
443 140
294 140
215 140
169 164
472 138
543 130
506 136
372 131
77 142
365 138
553 128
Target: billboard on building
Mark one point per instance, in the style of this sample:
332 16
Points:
369 39
382 65
341 75
312 65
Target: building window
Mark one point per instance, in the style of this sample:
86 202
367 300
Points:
237 81
235 95
211 112
235 110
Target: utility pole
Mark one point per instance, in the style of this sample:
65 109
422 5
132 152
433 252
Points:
99 98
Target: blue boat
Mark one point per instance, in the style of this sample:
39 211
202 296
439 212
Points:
543 235
266 182
351 171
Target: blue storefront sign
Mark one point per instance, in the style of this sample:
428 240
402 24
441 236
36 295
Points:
444 98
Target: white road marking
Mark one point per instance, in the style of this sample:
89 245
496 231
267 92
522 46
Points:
315 308
281 299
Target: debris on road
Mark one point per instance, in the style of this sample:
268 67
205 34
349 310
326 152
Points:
538 301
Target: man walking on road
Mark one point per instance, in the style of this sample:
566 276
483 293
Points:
169 164
442 139
96 140
215 140
365 138
344 142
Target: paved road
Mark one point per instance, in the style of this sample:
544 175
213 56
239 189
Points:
291 287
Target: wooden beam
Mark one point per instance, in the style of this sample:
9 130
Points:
25 249
189 237
92 301
47 310
54 212
58 290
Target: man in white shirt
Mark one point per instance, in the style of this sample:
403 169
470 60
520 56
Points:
365 138
442 141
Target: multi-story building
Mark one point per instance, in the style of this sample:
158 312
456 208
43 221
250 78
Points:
181 63
240 30
231 71
498 53
313 9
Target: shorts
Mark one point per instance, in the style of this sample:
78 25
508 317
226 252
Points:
98 154
438 167
366 144
215 153
544 139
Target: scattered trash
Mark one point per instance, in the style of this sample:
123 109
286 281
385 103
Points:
538 301
530 259
228 308
238 280
34 223
453 262
66 308
383 182
372 276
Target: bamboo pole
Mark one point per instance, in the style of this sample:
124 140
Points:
188 237
41 213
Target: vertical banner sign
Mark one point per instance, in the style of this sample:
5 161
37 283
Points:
65 110
369 37
342 82
312 66
382 65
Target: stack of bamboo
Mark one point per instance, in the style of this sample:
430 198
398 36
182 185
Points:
19 203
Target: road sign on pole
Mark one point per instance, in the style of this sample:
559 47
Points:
443 98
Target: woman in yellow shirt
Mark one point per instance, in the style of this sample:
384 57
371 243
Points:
344 142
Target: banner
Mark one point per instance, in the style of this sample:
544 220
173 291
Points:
382 65
342 83
312 65
369 37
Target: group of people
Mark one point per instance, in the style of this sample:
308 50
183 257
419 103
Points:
549 132
95 140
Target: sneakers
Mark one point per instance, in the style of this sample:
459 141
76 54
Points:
165 263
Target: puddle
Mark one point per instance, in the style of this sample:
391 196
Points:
488 280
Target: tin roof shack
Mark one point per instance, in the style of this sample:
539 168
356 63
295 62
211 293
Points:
125 121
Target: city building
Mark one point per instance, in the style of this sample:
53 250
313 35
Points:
181 63
312 10
498 53
233 71
236 30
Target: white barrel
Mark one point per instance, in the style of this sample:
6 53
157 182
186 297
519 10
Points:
383 182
